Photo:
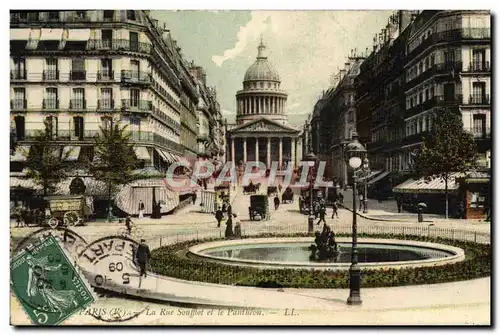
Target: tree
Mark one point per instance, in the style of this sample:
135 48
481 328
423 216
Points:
47 163
446 150
115 159
13 142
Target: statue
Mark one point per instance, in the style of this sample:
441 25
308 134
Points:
325 247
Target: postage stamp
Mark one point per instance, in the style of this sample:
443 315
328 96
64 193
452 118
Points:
47 284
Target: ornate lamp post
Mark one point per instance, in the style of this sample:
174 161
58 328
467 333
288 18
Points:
311 157
354 156
366 172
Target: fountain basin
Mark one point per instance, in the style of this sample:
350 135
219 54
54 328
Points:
292 252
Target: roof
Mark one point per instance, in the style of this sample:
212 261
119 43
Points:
263 124
262 69
424 185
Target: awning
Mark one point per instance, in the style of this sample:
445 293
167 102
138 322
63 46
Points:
21 154
16 182
22 34
71 153
379 177
435 185
370 175
163 155
78 35
142 153
175 158
51 34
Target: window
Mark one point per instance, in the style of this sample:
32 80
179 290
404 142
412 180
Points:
19 68
51 123
53 15
106 69
427 96
106 123
106 38
134 98
78 127
20 127
78 101
131 15
51 101
479 124
108 14
106 101
433 59
426 64
420 68
135 123
80 15
449 57
134 70
19 98
478 90
77 69
478 56
432 92
134 41
51 72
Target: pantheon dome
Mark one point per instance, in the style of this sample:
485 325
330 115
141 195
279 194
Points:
261 95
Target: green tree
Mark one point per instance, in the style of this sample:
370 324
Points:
115 159
446 150
47 163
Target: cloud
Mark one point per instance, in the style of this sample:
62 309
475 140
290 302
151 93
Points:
293 106
252 30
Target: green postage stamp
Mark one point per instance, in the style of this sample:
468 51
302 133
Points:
48 286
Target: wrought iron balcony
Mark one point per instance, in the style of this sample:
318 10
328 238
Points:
136 77
119 44
105 75
105 105
479 67
18 104
77 75
137 105
50 104
483 99
78 104
50 75
18 75
436 69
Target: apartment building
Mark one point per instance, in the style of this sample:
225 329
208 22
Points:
83 70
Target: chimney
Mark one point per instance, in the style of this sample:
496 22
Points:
375 43
342 74
392 31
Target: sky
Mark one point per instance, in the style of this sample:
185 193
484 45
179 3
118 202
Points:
306 47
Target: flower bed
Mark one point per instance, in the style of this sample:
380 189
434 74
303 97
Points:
172 261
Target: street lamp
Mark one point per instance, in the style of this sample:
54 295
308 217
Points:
366 172
354 157
311 157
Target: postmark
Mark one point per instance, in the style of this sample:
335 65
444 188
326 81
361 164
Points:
108 264
47 284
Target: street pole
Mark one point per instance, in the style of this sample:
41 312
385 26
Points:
354 269
310 219
365 199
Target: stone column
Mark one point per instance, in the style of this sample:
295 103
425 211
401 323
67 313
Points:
244 149
299 150
256 149
280 154
268 153
232 152
292 156
272 105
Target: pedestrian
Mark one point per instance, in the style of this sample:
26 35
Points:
276 202
399 203
219 216
142 256
128 224
420 215
141 209
335 210
279 187
237 229
229 227
341 198
193 198
322 212
361 201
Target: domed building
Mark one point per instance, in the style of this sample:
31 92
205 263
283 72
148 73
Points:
262 132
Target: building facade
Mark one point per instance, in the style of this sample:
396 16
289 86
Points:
261 132
83 70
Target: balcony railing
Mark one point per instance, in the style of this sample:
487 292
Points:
136 77
436 69
481 134
479 67
150 137
50 104
77 75
119 44
105 104
18 104
137 105
50 75
78 104
105 75
18 75
64 134
453 35
479 99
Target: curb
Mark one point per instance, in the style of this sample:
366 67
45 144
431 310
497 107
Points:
378 219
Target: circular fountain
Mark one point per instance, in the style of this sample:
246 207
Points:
294 252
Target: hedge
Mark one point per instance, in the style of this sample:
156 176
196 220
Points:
172 261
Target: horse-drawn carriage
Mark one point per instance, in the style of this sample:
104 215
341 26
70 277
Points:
251 188
259 206
287 196
71 210
272 190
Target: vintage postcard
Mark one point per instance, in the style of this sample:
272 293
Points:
250 167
